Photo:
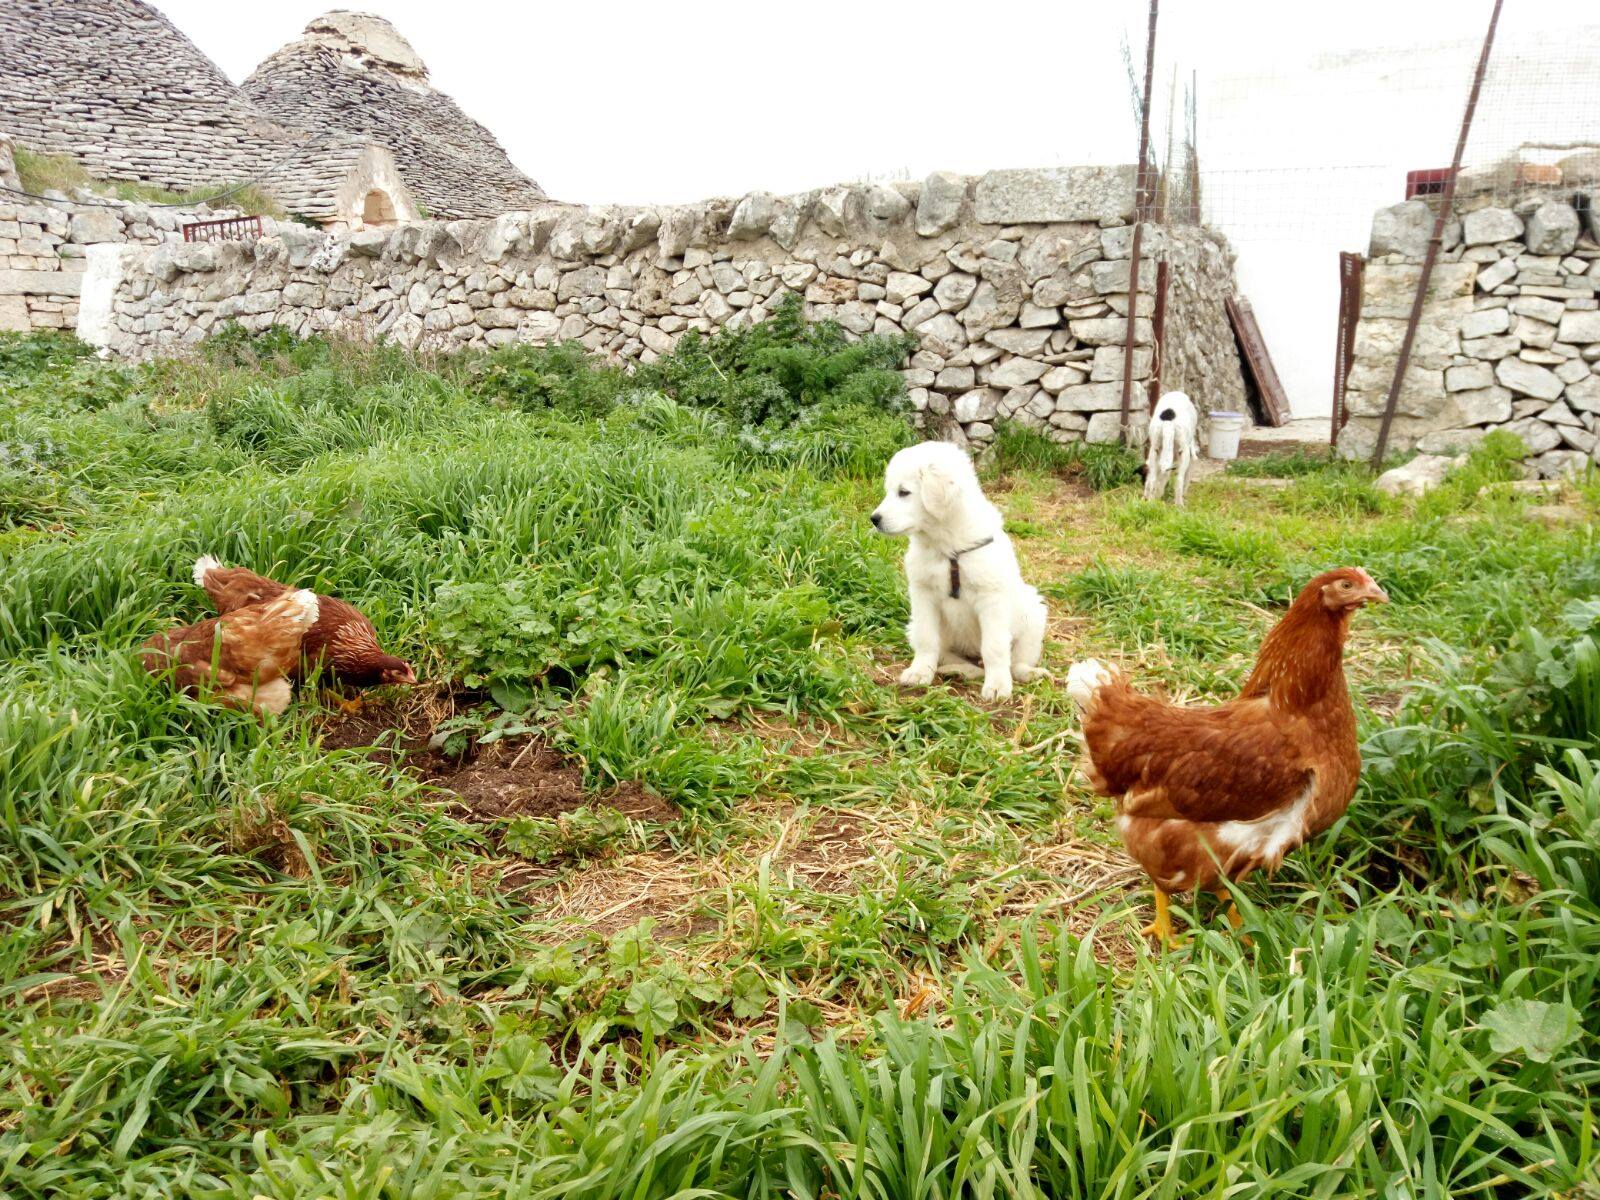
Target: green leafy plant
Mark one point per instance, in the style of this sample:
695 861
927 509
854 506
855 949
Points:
563 377
1100 466
581 834
1535 1029
772 373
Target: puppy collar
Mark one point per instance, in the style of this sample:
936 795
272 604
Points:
955 565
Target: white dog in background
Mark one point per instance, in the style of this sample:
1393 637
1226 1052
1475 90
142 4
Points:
1174 438
971 613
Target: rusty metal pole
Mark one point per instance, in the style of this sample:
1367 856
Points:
1158 333
1140 205
1446 201
1352 269
1194 150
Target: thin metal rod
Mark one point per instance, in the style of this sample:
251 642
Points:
1446 202
1352 268
1158 329
1140 205
1194 148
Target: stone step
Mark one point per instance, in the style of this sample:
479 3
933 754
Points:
1305 433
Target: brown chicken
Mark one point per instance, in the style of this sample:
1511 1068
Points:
342 640
1212 792
244 657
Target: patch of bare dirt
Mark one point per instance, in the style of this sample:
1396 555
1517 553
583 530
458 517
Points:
1072 487
366 729
514 777
829 855
608 897
102 973
526 778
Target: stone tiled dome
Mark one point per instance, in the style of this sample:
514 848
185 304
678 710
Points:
355 73
115 84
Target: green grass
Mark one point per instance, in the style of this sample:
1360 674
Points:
885 946
41 173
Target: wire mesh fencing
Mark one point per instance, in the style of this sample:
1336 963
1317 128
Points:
1301 162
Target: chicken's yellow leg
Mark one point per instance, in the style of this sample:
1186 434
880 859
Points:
1161 927
1234 919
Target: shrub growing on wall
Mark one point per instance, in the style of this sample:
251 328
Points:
774 373
791 390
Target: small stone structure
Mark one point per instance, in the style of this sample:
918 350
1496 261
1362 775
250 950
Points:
345 182
1510 333
341 127
1014 286
114 84
354 72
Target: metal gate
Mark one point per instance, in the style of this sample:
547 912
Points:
229 229
1352 268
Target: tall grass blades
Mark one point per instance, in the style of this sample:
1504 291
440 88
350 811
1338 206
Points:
660 886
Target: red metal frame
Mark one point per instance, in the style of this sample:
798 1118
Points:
229 229
1427 183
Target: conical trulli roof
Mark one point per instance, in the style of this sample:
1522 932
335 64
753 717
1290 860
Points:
115 84
354 72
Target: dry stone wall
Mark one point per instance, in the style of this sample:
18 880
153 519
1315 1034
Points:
1200 352
44 247
1509 338
1014 286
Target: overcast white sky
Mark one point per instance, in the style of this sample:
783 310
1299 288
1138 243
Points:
658 102
640 102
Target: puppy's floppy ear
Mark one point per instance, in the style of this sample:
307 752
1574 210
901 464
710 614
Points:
939 490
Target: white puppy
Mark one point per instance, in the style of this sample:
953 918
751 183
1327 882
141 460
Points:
1174 436
968 601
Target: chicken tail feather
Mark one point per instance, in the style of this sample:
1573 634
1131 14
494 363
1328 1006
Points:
302 608
203 566
1086 678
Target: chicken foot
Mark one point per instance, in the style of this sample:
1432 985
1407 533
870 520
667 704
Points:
1235 921
1161 927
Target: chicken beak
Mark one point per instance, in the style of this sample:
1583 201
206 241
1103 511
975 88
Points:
1375 594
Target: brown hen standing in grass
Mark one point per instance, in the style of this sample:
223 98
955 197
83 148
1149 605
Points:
245 656
342 640
1213 792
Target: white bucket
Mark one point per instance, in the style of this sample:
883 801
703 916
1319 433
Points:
1222 437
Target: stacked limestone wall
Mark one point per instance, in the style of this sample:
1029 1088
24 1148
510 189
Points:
43 246
1509 338
1200 352
43 249
1014 286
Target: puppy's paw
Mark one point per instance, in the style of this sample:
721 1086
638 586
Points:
1029 674
997 689
916 676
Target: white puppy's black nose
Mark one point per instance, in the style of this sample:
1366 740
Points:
877 520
